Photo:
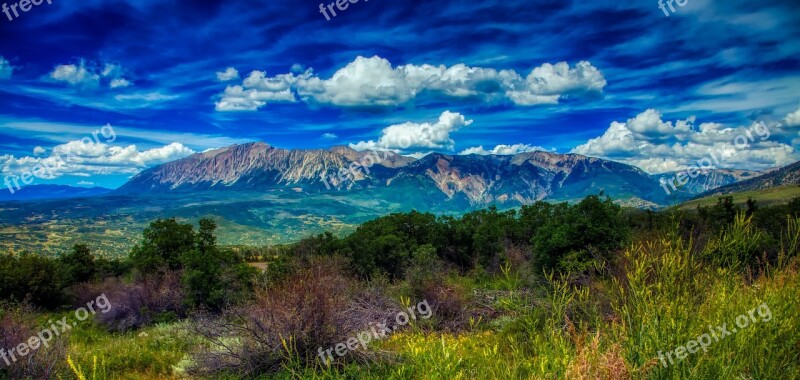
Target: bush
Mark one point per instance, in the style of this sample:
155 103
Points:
157 298
16 327
287 323
740 244
304 309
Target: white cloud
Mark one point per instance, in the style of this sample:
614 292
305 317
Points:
374 82
549 83
85 183
91 158
228 75
657 146
75 75
6 70
119 83
38 151
257 90
793 119
329 136
418 135
503 149
87 75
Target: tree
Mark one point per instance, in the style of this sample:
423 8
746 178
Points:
79 265
211 276
165 242
575 236
202 269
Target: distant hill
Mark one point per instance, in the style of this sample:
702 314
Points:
788 175
39 192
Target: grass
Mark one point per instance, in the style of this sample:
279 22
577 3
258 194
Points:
662 294
665 298
151 353
771 196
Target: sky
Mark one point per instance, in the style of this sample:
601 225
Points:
99 90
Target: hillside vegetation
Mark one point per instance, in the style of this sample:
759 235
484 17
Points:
579 291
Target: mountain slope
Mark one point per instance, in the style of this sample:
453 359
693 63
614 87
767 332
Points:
713 179
787 175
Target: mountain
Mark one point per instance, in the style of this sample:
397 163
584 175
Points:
39 192
262 195
474 180
788 175
713 179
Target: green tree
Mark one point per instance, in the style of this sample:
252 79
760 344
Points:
202 269
79 265
165 243
575 236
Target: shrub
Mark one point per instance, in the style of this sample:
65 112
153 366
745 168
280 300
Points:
288 323
157 298
740 244
305 310
16 327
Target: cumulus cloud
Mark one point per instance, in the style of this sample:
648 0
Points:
258 90
228 75
6 70
374 82
658 146
86 158
793 119
503 150
38 151
409 135
88 75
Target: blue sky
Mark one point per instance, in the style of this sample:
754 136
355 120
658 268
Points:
612 79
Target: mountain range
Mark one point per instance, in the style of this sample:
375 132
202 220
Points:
261 195
38 192
474 180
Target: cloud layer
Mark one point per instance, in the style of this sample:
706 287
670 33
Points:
374 82
658 146
84 159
